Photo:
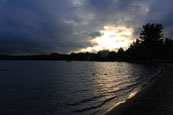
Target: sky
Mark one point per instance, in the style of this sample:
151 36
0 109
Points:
44 26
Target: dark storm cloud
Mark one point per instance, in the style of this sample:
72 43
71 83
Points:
34 26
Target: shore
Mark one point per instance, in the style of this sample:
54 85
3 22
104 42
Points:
155 99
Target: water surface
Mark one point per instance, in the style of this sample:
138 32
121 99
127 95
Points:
63 88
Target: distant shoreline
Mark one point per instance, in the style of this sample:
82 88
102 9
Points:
155 99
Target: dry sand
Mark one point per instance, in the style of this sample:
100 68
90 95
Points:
155 99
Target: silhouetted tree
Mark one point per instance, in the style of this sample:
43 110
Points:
149 45
120 54
152 40
151 33
168 48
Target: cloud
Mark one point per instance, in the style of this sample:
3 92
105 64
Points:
33 26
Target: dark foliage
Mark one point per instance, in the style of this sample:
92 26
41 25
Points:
150 45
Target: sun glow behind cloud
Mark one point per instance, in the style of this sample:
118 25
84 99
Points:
111 38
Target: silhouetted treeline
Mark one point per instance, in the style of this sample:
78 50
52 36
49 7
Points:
100 56
151 45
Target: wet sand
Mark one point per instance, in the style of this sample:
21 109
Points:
155 99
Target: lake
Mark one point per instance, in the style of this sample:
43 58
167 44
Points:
68 88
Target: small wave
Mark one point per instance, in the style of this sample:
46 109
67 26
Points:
125 88
86 100
95 107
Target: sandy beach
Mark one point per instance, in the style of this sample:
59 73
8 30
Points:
155 99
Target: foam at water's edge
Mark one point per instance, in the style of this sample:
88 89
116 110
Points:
155 76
